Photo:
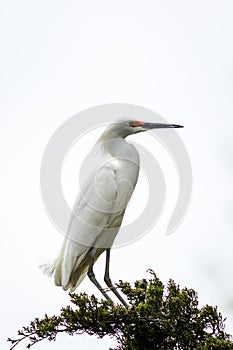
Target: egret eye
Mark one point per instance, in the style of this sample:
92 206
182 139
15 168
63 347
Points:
135 123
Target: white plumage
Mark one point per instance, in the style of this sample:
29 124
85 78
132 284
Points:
110 178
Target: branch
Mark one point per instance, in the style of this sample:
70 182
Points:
158 317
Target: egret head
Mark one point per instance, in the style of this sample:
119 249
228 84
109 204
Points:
139 126
125 128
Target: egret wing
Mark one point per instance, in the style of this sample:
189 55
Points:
91 214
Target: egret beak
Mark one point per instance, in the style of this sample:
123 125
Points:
148 126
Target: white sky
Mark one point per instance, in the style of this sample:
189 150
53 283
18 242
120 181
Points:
60 57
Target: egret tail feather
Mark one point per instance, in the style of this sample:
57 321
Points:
48 268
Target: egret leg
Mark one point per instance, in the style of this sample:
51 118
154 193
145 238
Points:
91 275
108 280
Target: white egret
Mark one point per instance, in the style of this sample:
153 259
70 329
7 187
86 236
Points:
100 207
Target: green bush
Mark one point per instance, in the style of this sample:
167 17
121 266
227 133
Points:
158 317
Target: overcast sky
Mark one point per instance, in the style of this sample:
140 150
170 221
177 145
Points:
60 57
